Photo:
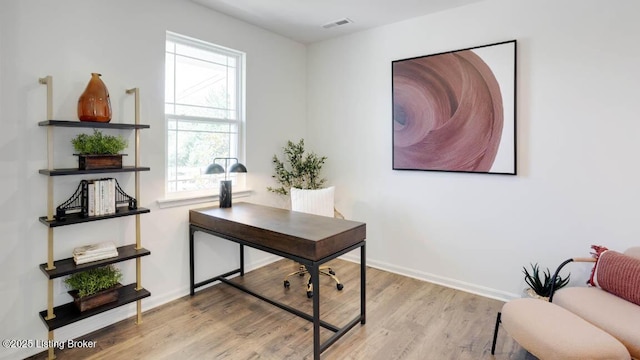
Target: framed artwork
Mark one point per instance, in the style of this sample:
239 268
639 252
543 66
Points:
456 111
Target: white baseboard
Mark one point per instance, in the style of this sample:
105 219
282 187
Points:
436 279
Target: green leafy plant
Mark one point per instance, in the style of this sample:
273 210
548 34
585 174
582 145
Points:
92 281
98 144
541 286
298 169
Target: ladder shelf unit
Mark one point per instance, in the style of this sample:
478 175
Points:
59 316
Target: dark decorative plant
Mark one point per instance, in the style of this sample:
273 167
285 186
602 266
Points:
98 144
92 281
541 286
298 169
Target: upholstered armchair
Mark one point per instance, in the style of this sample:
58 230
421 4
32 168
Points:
600 321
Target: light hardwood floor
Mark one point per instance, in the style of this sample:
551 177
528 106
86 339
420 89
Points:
406 319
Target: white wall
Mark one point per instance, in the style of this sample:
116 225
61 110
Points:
123 40
578 128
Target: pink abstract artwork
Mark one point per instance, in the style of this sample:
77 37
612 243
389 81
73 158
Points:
455 111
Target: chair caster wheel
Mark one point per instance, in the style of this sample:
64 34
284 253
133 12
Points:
309 294
339 286
332 272
286 284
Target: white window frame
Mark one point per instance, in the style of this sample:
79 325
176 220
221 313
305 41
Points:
174 198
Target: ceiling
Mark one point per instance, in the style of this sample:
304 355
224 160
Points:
303 20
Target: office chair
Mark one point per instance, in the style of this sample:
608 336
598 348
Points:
317 202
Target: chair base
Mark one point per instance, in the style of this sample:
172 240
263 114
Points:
323 270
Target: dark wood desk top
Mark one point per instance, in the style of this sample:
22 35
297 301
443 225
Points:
304 235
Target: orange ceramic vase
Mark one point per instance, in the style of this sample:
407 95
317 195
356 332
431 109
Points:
94 103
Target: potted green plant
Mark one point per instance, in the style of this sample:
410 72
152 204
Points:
99 151
298 169
94 287
540 282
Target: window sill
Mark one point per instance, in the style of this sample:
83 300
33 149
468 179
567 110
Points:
198 199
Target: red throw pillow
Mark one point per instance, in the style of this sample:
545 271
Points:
619 274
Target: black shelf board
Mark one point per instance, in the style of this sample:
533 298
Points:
76 171
68 313
68 266
89 124
75 218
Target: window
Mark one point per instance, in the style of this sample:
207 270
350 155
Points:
204 96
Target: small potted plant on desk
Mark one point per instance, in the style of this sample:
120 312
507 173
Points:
95 287
99 151
541 288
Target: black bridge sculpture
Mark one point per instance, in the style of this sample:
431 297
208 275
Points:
79 201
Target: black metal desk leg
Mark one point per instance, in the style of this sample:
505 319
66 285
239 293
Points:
315 281
241 260
191 262
363 284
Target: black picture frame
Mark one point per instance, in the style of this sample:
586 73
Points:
455 111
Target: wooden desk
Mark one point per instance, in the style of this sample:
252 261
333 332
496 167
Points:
308 239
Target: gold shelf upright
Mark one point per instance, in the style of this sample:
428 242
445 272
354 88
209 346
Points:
48 81
136 93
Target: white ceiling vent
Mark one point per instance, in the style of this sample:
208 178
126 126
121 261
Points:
340 22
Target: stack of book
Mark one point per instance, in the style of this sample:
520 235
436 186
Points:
95 252
101 197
